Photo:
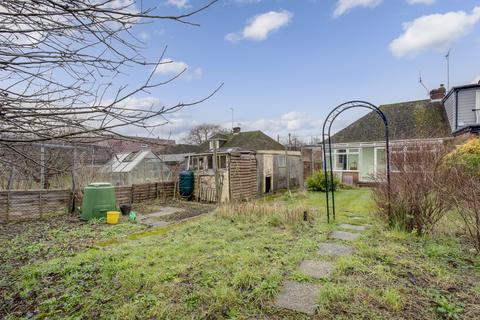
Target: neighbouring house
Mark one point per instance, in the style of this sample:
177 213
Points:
176 156
248 164
359 149
136 167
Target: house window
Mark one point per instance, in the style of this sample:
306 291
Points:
346 159
194 163
222 162
353 162
282 161
214 144
210 162
341 162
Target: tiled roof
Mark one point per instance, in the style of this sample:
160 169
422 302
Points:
248 140
421 119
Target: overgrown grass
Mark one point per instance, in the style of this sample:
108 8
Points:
226 266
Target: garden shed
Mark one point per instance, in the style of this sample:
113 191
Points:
136 167
249 164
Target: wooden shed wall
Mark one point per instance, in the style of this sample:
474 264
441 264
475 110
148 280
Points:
243 176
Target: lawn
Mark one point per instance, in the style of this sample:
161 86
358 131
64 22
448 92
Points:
215 267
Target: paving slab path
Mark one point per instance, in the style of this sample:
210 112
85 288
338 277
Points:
296 296
317 269
343 235
335 249
352 227
302 297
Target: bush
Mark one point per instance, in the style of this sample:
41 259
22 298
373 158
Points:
316 182
462 191
466 156
414 202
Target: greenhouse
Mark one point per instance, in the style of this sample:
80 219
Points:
136 167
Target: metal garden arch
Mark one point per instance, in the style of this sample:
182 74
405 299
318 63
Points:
326 138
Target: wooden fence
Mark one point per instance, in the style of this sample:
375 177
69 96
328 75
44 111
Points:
34 204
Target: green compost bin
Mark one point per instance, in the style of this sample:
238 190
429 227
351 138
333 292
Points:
98 198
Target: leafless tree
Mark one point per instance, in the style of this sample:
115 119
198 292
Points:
200 133
63 65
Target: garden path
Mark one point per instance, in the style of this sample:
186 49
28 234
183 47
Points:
302 296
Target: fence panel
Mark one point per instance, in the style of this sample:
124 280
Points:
33 204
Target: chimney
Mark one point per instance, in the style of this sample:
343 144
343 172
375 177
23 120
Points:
438 94
236 130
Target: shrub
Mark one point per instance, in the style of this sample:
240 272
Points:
413 203
466 156
462 191
316 182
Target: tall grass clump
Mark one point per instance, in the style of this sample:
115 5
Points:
275 214
414 202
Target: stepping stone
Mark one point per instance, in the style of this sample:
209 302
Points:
343 235
357 218
352 227
166 211
317 269
155 223
301 297
335 249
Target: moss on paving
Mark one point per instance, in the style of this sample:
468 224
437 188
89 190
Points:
214 268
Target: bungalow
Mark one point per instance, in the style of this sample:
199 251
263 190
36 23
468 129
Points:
248 164
359 149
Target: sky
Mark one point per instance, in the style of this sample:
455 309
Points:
286 63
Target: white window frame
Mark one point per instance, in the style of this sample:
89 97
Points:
347 152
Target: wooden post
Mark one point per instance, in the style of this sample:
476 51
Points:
8 205
132 189
287 168
313 162
42 167
74 185
40 203
198 179
215 169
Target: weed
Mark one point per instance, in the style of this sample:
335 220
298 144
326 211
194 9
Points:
446 309
392 298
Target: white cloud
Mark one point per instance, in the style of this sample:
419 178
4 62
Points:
144 36
435 31
421 1
261 26
343 6
181 4
171 126
169 67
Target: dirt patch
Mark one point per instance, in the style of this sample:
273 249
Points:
189 209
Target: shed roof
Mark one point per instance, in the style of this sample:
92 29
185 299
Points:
248 140
420 119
